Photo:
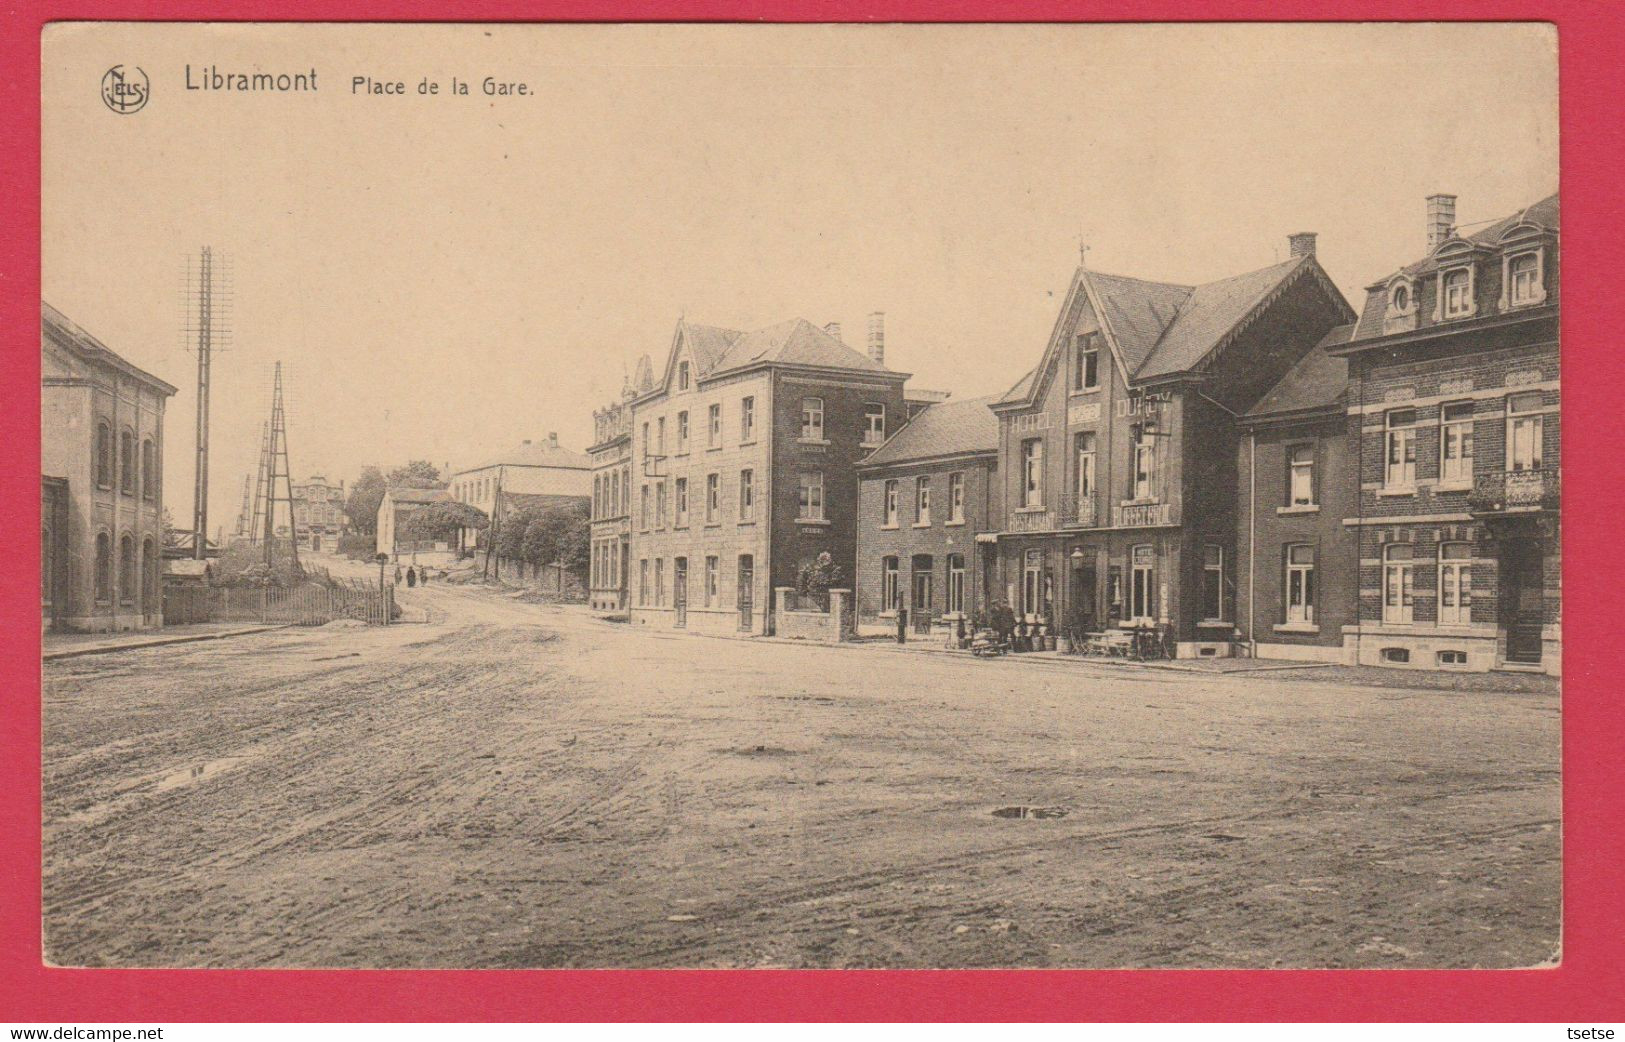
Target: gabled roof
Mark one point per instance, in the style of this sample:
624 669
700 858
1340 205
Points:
1161 328
84 344
405 494
950 428
536 454
1318 381
716 350
706 344
642 379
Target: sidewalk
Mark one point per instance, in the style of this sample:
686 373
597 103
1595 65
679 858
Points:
73 645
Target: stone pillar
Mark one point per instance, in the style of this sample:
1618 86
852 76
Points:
840 616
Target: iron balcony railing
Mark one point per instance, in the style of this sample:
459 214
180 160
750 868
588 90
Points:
1516 491
1079 511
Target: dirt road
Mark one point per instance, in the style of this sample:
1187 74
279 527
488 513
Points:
512 785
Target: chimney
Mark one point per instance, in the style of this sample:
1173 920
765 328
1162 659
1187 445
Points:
1301 244
552 439
1441 219
833 329
877 337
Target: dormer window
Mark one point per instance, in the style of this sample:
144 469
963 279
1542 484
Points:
1401 312
682 376
1401 298
1455 294
1523 280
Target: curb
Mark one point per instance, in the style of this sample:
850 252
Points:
157 642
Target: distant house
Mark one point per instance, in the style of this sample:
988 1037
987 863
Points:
101 489
532 467
397 504
318 513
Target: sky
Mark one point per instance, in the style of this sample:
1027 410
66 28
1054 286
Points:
443 276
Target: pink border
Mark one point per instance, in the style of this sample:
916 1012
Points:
1587 986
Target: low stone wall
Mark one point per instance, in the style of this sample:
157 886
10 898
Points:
798 623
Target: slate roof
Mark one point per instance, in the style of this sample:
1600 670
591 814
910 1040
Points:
536 454
794 342
1546 213
523 500
1318 380
949 428
405 494
84 343
1163 328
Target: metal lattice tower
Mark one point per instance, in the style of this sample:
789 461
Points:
246 512
259 484
276 460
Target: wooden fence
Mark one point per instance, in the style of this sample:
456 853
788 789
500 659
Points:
308 604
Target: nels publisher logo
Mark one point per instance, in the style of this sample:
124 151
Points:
125 89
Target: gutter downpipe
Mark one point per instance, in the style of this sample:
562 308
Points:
1252 542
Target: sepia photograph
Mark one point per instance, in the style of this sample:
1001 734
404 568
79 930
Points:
536 496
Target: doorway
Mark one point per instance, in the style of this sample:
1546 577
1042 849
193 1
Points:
1522 599
747 584
679 592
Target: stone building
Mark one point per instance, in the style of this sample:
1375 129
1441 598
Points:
926 500
318 513
611 456
398 503
542 468
1453 413
744 458
102 496
1297 580
1117 453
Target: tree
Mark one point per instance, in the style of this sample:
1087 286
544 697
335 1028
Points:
817 576
444 522
416 474
366 494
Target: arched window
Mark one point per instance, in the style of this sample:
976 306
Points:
126 570
127 463
104 568
149 470
104 456
149 576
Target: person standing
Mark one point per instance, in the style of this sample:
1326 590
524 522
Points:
411 577
397 575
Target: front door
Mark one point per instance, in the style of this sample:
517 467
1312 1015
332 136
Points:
747 584
1522 599
1081 599
679 592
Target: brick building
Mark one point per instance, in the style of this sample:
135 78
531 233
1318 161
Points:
611 456
743 466
925 498
1297 581
1118 451
318 513
1454 414
102 490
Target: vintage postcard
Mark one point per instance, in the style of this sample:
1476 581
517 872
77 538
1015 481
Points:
819 496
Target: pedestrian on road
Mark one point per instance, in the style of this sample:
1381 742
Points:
1004 621
411 577
397 575
423 576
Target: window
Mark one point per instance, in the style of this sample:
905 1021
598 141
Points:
643 582
747 419
747 495
643 509
1525 431
1456 289
1142 589
682 376
680 508
104 568
1145 465
710 581
1400 299
660 582
1300 482
647 445
889 514
956 583
1398 583
874 423
1213 583
956 498
1452 658
149 470
713 427
812 419
597 497
104 456
660 504
1399 469
127 463
889 600
1523 278
126 570
810 495
1086 373
682 431
1300 585
660 436
1455 584
1456 442
922 500
149 578
1398 656
713 498
1086 466
1032 472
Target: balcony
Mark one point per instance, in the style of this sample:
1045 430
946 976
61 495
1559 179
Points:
1079 511
1515 492
1032 519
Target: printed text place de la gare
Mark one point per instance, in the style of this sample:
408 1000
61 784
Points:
212 77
